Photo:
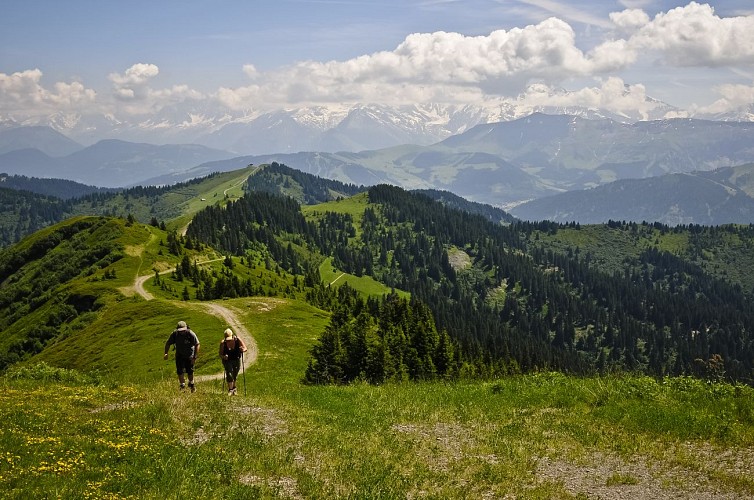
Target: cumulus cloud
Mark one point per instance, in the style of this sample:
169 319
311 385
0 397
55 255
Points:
630 20
451 66
138 74
132 84
441 67
433 65
733 97
132 88
695 36
612 94
22 96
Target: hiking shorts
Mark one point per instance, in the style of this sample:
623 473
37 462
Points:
232 367
184 365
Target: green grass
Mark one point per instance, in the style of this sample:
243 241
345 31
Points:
120 438
354 206
218 190
127 342
288 440
365 285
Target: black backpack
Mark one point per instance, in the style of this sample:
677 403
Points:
234 353
184 343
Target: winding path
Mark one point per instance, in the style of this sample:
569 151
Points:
227 314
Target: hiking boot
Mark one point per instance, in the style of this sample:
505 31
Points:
192 387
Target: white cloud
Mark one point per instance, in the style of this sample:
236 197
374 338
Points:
138 98
138 74
630 20
22 96
733 97
612 95
695 36
436 65
441 67
250 70
132 85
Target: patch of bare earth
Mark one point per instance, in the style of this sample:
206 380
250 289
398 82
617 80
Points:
286 487
200 437
122 405
266 420
610 477
459 260
441 443
263 305
442 446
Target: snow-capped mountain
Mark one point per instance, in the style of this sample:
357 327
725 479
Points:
339 127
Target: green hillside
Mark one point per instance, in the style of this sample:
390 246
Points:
723 252
24 212
91 410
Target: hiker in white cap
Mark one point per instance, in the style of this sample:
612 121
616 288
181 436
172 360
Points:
186 350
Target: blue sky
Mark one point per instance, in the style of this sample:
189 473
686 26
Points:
133 58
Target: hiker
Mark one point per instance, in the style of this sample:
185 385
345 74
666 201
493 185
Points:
231 349
186 350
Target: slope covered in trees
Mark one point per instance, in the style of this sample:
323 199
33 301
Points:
516 304
37 305
307 189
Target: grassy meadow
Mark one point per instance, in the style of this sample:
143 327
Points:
89 433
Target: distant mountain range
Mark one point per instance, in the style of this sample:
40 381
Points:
722 196
331 128
503 164
59 188
109 163
44 139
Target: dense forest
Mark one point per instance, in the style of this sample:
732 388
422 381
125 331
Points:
518 305
307 189
381 340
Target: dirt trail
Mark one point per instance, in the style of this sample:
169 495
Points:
336 279
231 318
227 314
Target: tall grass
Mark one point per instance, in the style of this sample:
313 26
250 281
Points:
68 435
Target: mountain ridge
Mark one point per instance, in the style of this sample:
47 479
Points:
326 127
721 196
109 163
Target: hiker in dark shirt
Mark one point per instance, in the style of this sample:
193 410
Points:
231 352
186 350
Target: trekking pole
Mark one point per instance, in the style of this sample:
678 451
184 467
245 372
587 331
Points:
243 370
